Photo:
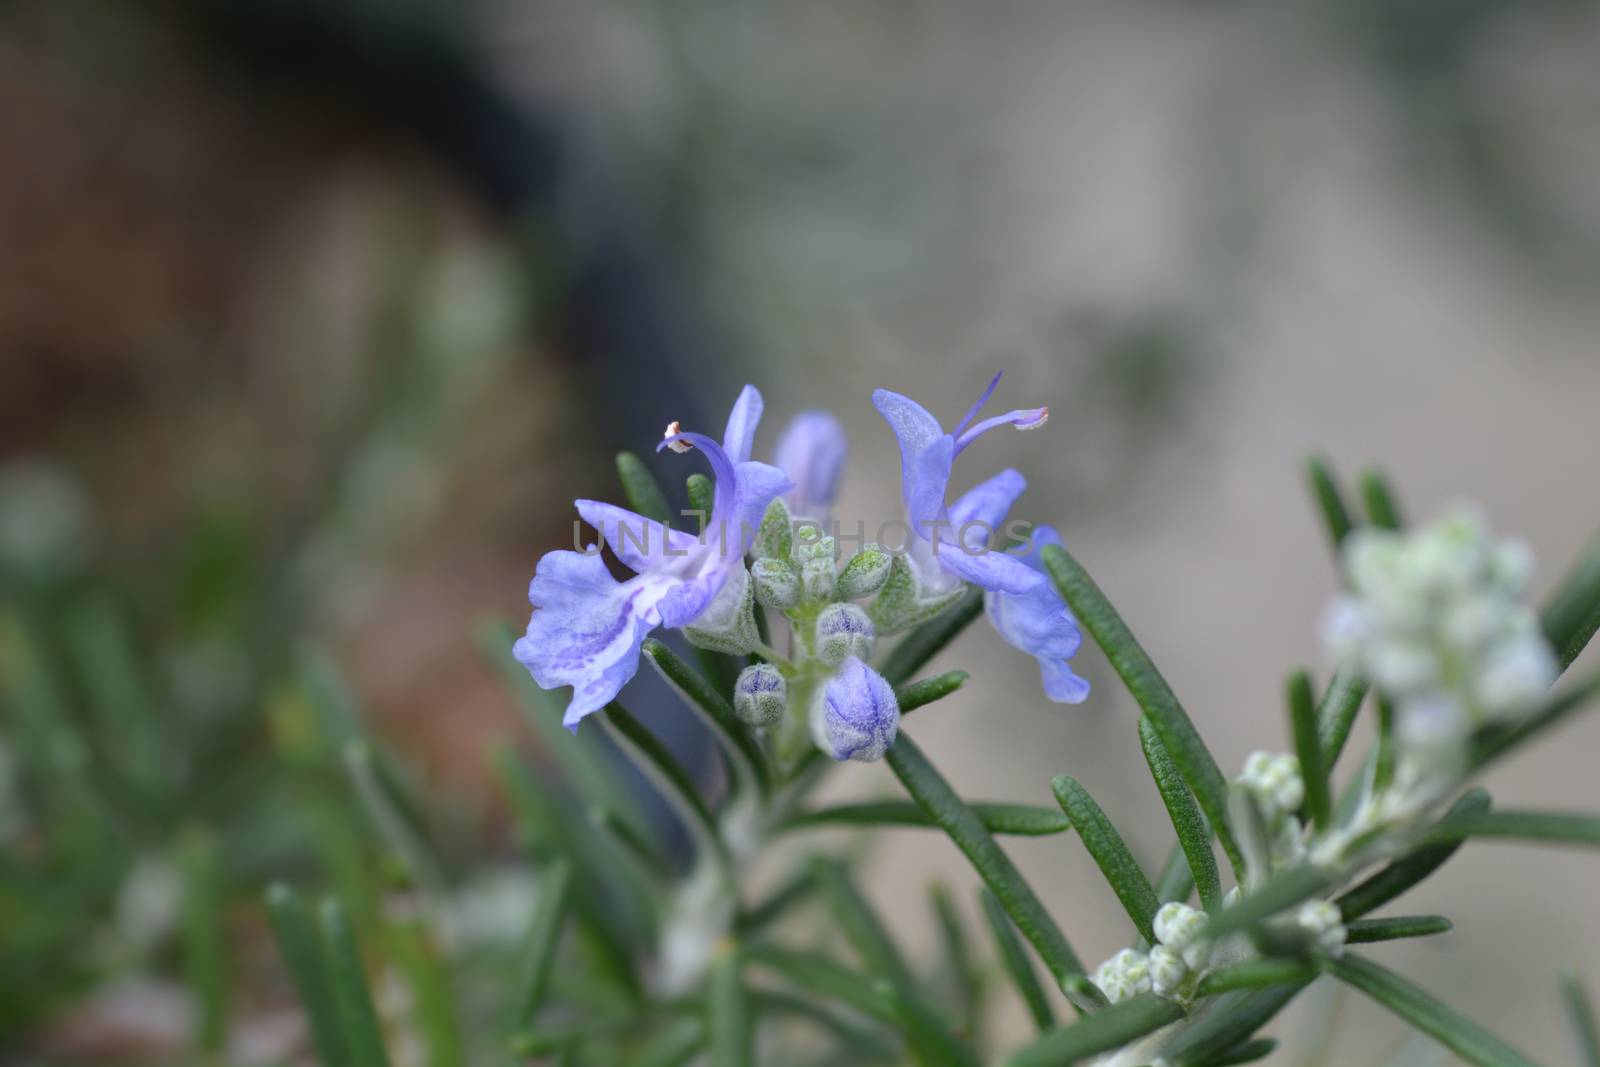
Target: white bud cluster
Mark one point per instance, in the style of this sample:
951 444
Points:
1324 922
1436 619
1124 975
1274 787
1273 778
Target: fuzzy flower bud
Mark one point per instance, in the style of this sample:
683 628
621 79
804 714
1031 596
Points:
865 574
1178 926
777 583
1124 975
856 715
818 571
843 630
1167 971
760 695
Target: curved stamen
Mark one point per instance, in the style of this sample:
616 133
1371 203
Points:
972 412
1022 419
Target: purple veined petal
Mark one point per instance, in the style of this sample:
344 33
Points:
586 628
812 451
740 434
990 570
913 426
642 544
972 412
758 484
1039 623
1022 419
688 600
987 504
924 480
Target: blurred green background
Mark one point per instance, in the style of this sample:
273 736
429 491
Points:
314 316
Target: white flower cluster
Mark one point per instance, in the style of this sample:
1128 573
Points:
1169 968
1435 618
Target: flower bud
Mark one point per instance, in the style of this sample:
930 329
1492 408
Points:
1323 921
775 539
1274 779
777 583
760 695
1177 925
812 452
818 571
843 630
1167 971
856 715
1124 975
865 574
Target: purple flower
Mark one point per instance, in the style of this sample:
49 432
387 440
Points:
949 544
812 451
856 716
586 626
1039 623
952 542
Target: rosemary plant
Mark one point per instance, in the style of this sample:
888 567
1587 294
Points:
1273 880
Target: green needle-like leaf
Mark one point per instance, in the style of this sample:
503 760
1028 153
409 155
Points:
1336 713
641 489
1100 1032
1382 509
927 690
746 763
674 1046
1407 871
1229 1021
729 1024
861 926
666 774
1256 974
957 966
1110 852
301 947
544 935
1017 962
1194 836
1280 892
1562 828
358 1018
1454 1031
205 946
821 977
1149 689
1573 614
934 795
915 649
932 1042
1308 747
1366 931
1330 501
1580 1012
1027 820
1249 1052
